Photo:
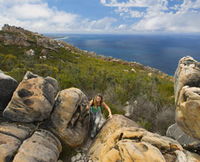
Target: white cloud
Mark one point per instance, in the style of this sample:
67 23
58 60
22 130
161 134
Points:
136 14
122 27
156 15
134 3
145 15
187 22
30 11
101 26
36 15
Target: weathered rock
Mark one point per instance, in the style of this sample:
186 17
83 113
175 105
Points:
30 52
47 43
69 119
13 35
176 133
13 39
33 99
11 137
7 87
128 109
41 146
14 29
187 96
122 140
191 157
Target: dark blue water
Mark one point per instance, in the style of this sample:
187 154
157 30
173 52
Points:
159 51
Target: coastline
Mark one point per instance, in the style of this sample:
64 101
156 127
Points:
116 60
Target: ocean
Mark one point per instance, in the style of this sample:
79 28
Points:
158 51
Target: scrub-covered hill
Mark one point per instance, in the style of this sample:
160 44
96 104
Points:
147 92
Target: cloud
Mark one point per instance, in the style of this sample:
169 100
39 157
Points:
187 22
130 16
36 15
159 15
30 11
134 3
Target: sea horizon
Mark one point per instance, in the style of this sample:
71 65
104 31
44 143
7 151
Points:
160 51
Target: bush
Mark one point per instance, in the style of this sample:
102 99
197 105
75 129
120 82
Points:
164 119
7 62
151 116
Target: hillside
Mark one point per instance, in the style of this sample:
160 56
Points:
148 91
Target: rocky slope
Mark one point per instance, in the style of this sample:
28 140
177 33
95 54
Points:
34 112
25 38
39 122
122 140
119 81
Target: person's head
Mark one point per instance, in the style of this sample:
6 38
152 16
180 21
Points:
98 99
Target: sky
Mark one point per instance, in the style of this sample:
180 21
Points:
102 16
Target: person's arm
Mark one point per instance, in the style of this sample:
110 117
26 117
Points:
89 105
108 109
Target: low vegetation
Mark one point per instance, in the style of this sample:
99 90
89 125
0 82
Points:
92 74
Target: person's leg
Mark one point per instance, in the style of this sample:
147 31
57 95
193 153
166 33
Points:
93 131
97 122
101 122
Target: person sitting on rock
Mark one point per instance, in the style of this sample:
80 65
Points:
96 105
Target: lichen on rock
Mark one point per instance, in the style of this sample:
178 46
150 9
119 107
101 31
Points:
33 99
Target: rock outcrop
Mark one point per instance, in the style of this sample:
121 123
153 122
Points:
176 133
12 35
33 99
11 137
122 140
69 119
41 146
187 96
7 87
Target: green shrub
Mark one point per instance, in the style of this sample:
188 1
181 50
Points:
74 68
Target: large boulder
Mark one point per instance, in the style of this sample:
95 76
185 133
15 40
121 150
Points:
11 137
7 87
33 99
187 96
122 140
175 132
69 119
41 146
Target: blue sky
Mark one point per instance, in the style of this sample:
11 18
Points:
103 16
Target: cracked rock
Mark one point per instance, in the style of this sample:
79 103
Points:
122 140
41 146
11 137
